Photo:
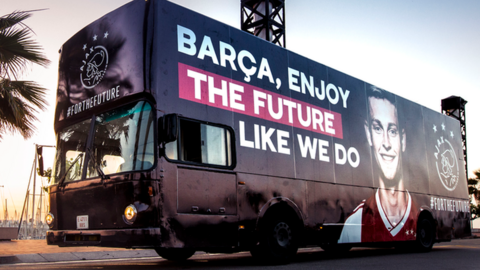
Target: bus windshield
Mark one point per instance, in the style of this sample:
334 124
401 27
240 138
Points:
122 141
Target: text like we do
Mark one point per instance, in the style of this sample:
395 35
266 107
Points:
216 91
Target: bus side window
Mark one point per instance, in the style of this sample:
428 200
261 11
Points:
213 145
201 143
171 150
190 141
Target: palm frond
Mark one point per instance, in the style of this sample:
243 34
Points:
27 90
20 101
17 48
477 174
16 17
16 116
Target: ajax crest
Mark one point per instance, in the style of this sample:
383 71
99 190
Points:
446 160
95 63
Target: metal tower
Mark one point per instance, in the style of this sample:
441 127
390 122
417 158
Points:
455 107
265 19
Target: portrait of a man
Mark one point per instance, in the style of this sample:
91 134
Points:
389 214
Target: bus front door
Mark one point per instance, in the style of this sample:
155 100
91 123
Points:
207 201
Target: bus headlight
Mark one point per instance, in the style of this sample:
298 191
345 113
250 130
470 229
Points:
130 214
49 219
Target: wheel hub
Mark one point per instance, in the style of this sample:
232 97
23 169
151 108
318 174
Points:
283 234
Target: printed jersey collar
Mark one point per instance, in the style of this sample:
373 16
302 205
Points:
393 229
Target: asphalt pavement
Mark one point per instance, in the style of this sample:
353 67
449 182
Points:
37 251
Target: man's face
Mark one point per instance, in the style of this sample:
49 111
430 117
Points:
385 139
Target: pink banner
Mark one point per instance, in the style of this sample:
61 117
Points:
217 91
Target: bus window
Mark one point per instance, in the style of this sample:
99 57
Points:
213 145
70 155
123 140
171 150
75 173
191 142
201 143
111 164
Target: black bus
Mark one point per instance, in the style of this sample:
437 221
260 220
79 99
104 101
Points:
179 133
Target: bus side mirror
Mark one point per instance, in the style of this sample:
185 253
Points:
168 128
40 160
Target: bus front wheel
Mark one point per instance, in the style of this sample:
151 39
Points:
175 254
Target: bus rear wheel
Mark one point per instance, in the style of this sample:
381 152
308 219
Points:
175 254
278 241
425 235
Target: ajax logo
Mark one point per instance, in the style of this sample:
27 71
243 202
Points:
446 160
95 64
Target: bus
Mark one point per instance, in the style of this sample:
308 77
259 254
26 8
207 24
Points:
179 133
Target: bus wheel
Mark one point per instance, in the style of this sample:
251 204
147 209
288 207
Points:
278 241
425 235
175 254
335 248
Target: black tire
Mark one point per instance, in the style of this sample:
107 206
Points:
335 248
278 241
425 235
175 254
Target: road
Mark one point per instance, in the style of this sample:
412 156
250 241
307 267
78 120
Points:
458 254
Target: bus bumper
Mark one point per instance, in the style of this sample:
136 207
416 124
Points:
124 238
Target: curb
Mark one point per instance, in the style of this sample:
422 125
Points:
8 259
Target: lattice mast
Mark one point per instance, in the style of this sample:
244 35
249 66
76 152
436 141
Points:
264 19
455 107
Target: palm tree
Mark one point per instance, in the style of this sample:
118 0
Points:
475 194
19 100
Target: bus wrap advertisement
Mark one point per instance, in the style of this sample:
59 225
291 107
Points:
193 135
306 121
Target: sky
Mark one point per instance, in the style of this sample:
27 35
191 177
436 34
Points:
421 50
